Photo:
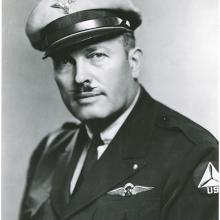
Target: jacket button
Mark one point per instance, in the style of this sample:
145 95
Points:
135 166
164 118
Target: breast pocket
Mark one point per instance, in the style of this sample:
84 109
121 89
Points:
145 205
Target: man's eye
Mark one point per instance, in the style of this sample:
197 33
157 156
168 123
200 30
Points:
96 55
63 60
66 60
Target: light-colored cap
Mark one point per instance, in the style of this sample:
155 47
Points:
55 24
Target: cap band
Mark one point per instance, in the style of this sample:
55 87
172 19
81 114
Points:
52 38
64 27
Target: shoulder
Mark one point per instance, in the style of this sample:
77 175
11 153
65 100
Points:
54 140
55 137
173 122
189 150
173 135
183 141
61 134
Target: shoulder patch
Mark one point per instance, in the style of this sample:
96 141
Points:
206 178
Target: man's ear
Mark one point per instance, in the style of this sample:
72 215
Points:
135 58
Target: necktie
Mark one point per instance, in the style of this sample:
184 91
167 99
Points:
90 160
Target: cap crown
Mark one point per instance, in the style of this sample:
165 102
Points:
48 11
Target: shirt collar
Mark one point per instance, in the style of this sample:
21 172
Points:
109 133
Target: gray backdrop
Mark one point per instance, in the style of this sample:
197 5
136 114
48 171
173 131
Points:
180 69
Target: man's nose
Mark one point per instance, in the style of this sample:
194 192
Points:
81 71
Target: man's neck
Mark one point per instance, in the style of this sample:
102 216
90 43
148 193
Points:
100 125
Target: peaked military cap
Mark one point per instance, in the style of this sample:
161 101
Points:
56 24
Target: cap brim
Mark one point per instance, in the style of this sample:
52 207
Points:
84 38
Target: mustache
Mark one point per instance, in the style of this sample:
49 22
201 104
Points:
86 87
85 91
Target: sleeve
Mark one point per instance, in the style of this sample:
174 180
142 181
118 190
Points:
35 158
193 190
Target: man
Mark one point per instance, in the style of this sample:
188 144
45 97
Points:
130 157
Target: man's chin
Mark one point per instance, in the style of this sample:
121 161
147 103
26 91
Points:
90 114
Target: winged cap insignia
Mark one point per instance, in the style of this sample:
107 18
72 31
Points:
129 189
63 5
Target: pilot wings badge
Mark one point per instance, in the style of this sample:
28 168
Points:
63 5
129 190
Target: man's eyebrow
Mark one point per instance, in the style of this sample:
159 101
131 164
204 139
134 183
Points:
94 48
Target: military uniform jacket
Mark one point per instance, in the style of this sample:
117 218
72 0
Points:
156 148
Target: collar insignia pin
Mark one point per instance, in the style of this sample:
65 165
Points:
62 5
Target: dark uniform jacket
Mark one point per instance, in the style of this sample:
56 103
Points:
155 147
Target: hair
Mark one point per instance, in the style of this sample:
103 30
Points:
128 40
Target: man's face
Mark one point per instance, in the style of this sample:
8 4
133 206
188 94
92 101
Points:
96 81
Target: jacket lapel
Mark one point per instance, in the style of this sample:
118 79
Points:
62 177
41 186
129 147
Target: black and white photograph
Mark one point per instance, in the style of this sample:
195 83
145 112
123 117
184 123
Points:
110 110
